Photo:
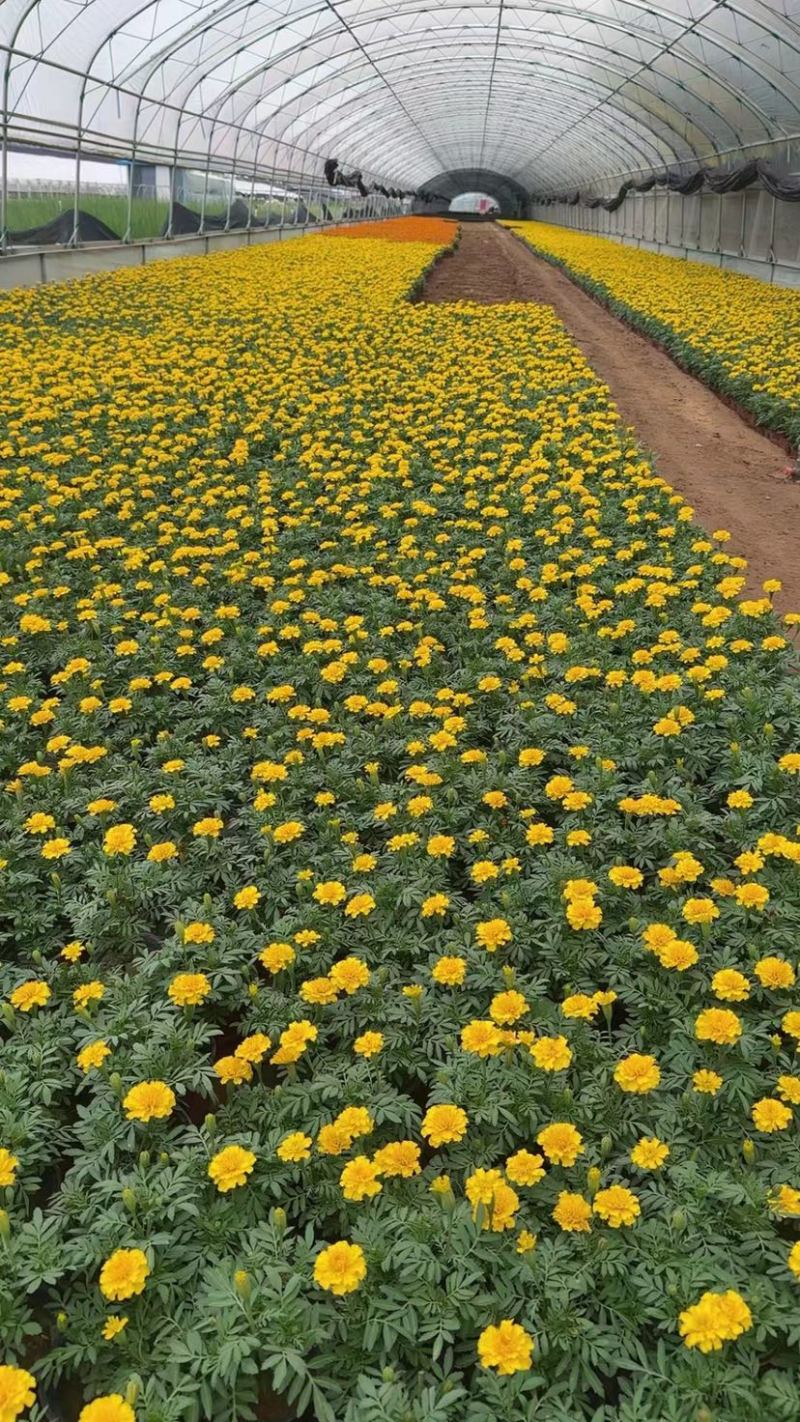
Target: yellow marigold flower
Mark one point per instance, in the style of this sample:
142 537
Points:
785 1201
449 971
17 1391
369 1044
771 1115
319 991
718 1024
8 1167
443 1124
551 1053
124 1274
716 1319
29 995
93 1055
359 1179
349 974
700 911
188 989
209 828
561 1143
730 985
789 1089
790 1023
39 823
158 853
149 1101
706 1082
507 1007
434 906
253 1048
55 848
539 834
198 932
678 955
625 876
398 1158
481 1038
775 972
119 839
649 1153
525 1168
230 1167
579 1004
507 1347
288 831
739 800
752 896
525 1241
159 803
277 956
573 1213
637 1074
247 898
86 993
359 906
617 1206
113 1326
441 846
233 1071
793 1260
294 1148
340 1268
583 914
492 934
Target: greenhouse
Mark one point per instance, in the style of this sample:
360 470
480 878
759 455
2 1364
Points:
399 711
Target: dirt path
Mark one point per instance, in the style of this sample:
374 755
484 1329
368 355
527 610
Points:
730 473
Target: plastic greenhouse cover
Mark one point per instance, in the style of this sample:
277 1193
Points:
557 93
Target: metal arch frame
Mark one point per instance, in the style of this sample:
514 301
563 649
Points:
734 52
658 139
657 122
225 50
608 97
607 22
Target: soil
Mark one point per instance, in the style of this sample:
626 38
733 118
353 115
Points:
733 475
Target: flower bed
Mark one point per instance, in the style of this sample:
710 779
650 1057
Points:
400 872
739 335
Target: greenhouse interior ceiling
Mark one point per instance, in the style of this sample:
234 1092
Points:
550 95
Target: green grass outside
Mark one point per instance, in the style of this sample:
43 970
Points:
148 215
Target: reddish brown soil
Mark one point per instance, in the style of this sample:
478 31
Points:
732 475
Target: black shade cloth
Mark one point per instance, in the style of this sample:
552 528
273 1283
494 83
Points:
717 180
61 230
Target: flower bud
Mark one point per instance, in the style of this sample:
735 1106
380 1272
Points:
592 1181
132 1391
279 1218
129 1198
163 1158
749 1150
388 1375
115 1082
508 975
36 956
210 1123
241 1283
678 1220
61 1320
606 1147
8 1014
5 1224
144 1159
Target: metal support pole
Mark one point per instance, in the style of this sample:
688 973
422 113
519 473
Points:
743 225
773 215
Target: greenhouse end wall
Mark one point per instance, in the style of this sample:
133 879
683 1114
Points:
748 232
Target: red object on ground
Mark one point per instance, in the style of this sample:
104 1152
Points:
436 230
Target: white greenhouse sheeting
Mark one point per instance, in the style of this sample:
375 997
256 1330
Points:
554 94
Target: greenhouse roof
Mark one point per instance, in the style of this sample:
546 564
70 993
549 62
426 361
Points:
554 93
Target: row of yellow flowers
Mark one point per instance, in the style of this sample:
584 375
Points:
399 869
739 334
